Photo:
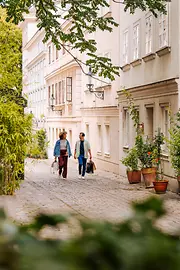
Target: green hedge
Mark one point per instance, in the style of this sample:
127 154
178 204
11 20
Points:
38 146
15 134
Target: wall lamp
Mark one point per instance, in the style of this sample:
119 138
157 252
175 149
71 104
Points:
99 94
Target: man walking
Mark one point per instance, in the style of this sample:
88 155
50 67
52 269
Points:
82 148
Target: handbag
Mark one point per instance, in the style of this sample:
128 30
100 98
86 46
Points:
54 167
90 167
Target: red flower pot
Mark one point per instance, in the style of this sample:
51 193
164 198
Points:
149 175
134 177
160 186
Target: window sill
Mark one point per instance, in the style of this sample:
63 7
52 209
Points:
136 62
163 51
149 57
126 148
165 156
106 86
69 103
59 105
126 67
106 155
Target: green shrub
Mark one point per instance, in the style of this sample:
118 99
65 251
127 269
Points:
38 146
133 244
174 144
15 135
131 160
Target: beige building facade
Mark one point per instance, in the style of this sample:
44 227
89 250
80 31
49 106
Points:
75 109
150 72
147 49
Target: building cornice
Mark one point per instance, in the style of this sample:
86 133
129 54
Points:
33 39
63 68
38 57
104 111
160 88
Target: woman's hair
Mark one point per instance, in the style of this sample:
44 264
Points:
61 135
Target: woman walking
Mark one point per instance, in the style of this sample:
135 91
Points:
62 150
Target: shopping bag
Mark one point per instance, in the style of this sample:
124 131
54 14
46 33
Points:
90 167
54 167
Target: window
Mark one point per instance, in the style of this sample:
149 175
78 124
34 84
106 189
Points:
70 136
57 53
69 88
49 94
163 30
60 93
150 122
53 90
49 54
149 34
99 146
125 47
53 52
165 125
56 94
107 140
63 91
107 80
136 30
126 128
87 131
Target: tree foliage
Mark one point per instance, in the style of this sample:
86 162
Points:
38 146
10 59
15 134
174 143
84 18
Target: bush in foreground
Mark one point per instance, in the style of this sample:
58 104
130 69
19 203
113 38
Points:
133 244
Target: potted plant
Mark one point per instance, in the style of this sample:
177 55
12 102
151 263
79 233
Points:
131 163
148 155
174 146
160 185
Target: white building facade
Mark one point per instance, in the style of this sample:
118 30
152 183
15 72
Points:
55 74
147 49
34 70
150 72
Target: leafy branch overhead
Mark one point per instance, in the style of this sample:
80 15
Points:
84 19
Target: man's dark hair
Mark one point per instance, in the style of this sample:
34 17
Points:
83 134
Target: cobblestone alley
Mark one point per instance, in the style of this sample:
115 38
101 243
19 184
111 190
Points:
101 196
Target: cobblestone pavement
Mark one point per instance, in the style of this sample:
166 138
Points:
101 196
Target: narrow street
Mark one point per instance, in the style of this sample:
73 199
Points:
100 196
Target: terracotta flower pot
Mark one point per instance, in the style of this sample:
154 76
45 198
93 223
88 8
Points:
149 175
160 186
134 177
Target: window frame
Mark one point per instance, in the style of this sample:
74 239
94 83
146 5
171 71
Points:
126 128
136 45
69 89
107 144
148 34
161 30
125 47
49 54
